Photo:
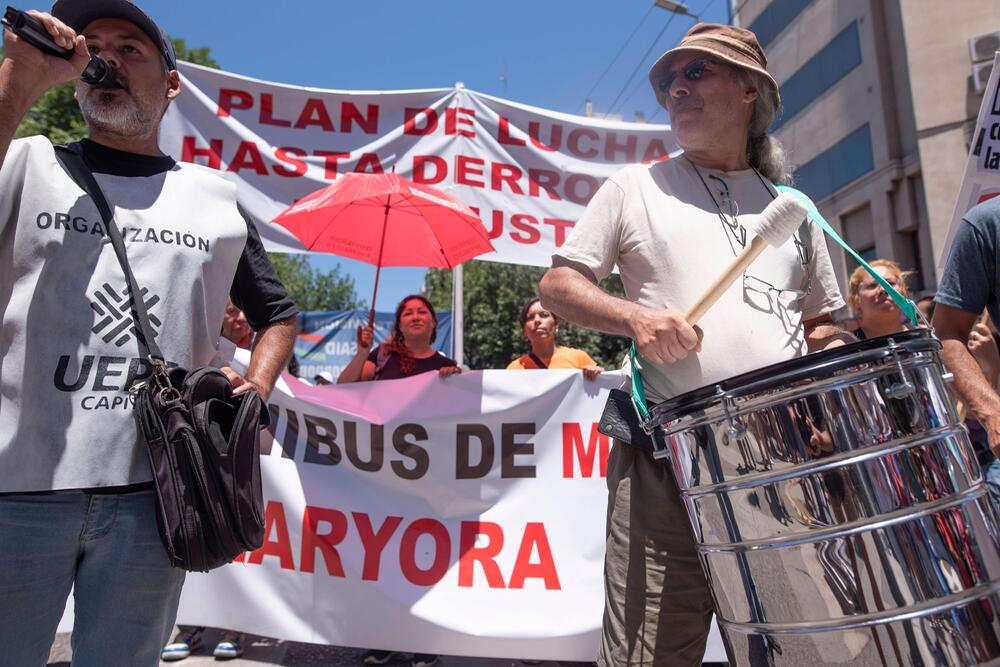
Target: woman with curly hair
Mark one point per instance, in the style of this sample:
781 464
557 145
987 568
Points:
408 350
877 313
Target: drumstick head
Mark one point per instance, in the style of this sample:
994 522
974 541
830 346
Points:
780 219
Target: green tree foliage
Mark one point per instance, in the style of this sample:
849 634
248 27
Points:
57 116
312 289
493 295
198 56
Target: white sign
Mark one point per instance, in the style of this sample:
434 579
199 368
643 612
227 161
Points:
982 171
529 172
461 516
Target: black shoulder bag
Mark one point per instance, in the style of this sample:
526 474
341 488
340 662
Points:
626 412
203 442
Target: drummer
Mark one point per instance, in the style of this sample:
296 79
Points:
672 228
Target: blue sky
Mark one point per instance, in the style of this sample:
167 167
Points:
553 53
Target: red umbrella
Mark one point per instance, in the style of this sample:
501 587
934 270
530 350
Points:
386 220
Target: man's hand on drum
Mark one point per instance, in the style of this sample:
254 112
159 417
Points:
663 336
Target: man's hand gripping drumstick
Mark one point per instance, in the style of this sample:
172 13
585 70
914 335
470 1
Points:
774 227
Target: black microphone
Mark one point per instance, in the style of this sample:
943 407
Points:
97 73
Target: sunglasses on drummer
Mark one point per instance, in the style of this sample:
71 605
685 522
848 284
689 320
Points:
693 71
785 296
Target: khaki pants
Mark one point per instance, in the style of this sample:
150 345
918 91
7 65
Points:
657 605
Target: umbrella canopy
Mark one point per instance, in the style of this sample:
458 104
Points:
386 220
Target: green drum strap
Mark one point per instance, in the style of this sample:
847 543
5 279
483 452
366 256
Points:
904 304
638 391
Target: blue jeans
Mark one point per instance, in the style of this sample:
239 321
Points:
105 546
991 473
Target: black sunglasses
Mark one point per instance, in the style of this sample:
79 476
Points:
692 72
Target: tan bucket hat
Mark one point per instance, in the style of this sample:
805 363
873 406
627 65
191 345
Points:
736 46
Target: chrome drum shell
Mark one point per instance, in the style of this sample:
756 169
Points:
840 513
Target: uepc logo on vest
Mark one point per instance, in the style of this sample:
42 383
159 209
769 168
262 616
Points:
115 309
106 378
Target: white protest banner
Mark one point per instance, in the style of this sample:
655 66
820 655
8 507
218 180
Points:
461 516
982 171
529 172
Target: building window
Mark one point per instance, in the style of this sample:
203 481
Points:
859 227
916 281
868 254
848 159
819 74
775 18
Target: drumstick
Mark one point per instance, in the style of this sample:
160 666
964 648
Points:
774 226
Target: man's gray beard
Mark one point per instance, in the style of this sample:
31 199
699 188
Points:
122 117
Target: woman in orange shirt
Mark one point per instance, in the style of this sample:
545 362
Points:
540 327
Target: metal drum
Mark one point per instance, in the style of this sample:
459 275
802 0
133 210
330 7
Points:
840 514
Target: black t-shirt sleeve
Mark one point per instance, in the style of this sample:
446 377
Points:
256 289
442 361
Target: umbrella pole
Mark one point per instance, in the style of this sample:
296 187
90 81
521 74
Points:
378 266
458 314
371 312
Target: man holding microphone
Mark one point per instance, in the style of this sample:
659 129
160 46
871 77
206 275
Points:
77 507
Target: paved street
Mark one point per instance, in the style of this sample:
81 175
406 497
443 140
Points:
264 652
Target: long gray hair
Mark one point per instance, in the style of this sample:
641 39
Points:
764 152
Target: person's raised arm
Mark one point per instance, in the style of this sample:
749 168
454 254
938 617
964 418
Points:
26 73
953 326
662 336
359 368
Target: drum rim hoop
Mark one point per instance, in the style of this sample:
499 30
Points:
770 377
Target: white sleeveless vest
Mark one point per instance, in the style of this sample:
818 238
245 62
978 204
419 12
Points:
68 350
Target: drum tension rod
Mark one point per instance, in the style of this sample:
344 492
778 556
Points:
898 390
736 429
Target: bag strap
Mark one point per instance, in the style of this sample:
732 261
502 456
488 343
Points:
638 391
904 304
538 362
72 159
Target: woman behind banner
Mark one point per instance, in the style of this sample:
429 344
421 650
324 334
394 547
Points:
408 352
877 313
540 327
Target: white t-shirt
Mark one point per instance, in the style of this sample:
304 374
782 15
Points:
662 228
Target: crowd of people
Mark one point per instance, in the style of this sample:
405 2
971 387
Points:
74 485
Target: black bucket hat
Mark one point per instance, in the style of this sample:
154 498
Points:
737 46
78 14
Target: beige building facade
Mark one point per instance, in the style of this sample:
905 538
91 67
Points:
878 111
